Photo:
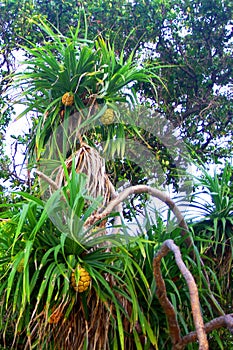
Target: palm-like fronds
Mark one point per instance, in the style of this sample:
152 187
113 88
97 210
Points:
90 70
213 230
37 262
43 244
119 310
215 203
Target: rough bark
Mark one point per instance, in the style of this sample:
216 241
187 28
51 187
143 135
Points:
219 322
167 246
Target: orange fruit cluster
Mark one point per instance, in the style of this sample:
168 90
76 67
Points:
68 99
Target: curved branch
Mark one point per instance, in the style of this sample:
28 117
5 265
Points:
174 329
167 306
138 189
219 322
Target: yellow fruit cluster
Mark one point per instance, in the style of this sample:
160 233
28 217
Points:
68 99
108 117
84 280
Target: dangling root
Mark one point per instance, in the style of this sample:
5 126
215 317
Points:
91 322
88 161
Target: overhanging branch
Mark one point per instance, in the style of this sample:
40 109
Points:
138 189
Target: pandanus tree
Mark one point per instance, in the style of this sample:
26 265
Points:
71 87
74 86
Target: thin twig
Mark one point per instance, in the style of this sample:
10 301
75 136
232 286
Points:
47 179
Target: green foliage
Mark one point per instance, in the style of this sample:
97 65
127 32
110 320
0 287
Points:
217 208
90 70
37 262
6 112
197 39
213 228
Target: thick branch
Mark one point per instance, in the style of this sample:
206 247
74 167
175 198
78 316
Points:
138 189
165 303
219 322
116 203
167 306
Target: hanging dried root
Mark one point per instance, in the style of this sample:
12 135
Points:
88 161
165 303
